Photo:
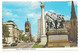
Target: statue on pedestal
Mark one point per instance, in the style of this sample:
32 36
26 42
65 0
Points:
54 21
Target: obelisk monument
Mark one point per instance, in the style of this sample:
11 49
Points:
43 34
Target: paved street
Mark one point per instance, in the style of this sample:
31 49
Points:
21 45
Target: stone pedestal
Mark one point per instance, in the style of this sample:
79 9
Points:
43 40
59 39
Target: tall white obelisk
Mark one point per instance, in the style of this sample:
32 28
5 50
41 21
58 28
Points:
43 34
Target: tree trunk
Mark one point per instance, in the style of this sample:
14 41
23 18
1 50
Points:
7 39
4 39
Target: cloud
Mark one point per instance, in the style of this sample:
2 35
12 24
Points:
36 16
34 21
47 11
70 3
51 10
67 17
35 5
31 15
14 19
21 9
18 5
8 13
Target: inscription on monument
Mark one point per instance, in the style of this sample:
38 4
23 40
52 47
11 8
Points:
53 38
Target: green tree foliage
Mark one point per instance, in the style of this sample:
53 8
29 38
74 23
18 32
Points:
20 36
5 30
25 38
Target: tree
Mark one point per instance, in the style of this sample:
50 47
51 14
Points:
20 36
5 30
25 38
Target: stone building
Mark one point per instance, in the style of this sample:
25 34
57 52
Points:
21 31
39 30
28 29
72 25
73 22
67 25
14 32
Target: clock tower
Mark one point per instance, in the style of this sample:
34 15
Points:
28 29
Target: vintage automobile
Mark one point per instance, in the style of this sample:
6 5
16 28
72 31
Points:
14 44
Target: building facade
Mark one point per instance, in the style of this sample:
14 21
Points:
39 30
14 32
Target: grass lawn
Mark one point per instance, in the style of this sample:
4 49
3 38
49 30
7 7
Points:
37 46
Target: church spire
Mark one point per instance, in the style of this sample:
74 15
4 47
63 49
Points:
73 13
27 19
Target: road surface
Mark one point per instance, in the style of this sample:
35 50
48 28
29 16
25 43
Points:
21 45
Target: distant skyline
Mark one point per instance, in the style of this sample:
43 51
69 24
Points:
20 11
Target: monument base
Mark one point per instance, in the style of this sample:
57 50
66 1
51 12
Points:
58 44
58 41
43 40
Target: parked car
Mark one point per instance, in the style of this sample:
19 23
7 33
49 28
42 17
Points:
6 44
13 44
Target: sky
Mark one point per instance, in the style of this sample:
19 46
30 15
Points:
19 12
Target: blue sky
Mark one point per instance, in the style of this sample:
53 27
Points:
20 11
